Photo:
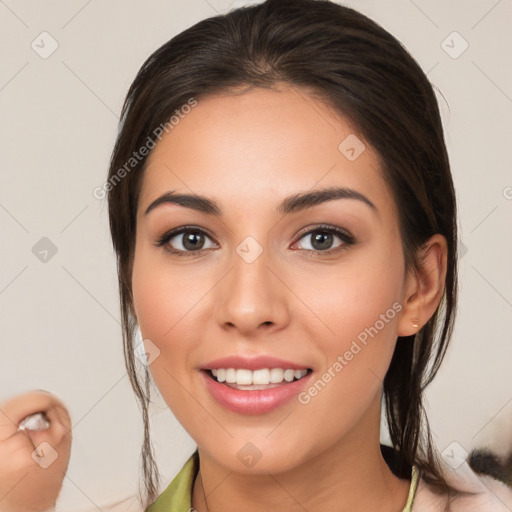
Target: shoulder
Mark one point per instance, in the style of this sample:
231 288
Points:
476 493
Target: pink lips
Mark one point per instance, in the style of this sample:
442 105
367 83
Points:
254 363
253 401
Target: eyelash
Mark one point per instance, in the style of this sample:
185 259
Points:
342 234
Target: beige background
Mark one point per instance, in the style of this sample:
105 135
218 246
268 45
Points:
60 320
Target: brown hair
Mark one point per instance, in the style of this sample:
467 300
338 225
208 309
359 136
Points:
370 79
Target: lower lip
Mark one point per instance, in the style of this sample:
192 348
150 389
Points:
258 401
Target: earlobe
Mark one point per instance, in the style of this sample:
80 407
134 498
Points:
424 286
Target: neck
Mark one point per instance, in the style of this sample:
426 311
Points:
349 476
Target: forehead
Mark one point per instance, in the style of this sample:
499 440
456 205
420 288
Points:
249 147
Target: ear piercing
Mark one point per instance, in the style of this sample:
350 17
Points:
415 324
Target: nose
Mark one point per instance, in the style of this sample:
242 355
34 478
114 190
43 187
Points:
251 299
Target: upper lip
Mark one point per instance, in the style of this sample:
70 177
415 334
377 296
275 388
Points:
253 363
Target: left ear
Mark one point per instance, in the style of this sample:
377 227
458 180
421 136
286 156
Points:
424 287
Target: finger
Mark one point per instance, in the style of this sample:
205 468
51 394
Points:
16 409
17 452
59 432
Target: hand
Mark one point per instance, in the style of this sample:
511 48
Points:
33 462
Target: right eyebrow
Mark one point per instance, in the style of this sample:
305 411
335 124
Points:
200 203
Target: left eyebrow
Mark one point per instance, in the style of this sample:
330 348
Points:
299 202
291 204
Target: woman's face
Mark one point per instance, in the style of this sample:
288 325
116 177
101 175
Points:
265 273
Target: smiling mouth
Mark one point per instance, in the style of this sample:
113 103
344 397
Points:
264 378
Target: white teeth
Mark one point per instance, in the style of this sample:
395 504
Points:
288 375
244 377
230 375
276 375
262 377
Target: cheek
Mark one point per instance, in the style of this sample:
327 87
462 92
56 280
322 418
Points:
356 299
163 295
160 303
360 308
168 302
360 305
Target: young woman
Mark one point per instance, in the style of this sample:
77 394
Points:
284 219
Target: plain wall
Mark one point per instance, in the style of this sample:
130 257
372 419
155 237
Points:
60 318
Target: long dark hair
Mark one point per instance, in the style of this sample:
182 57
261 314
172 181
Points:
366 75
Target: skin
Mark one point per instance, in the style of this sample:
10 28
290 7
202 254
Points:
248 151
25 484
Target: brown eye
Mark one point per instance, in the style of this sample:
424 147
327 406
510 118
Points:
325 239
183 240
322 240
193 241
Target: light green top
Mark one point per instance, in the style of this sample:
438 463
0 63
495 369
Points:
178 495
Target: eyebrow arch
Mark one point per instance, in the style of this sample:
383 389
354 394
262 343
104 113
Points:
292 204
299 202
